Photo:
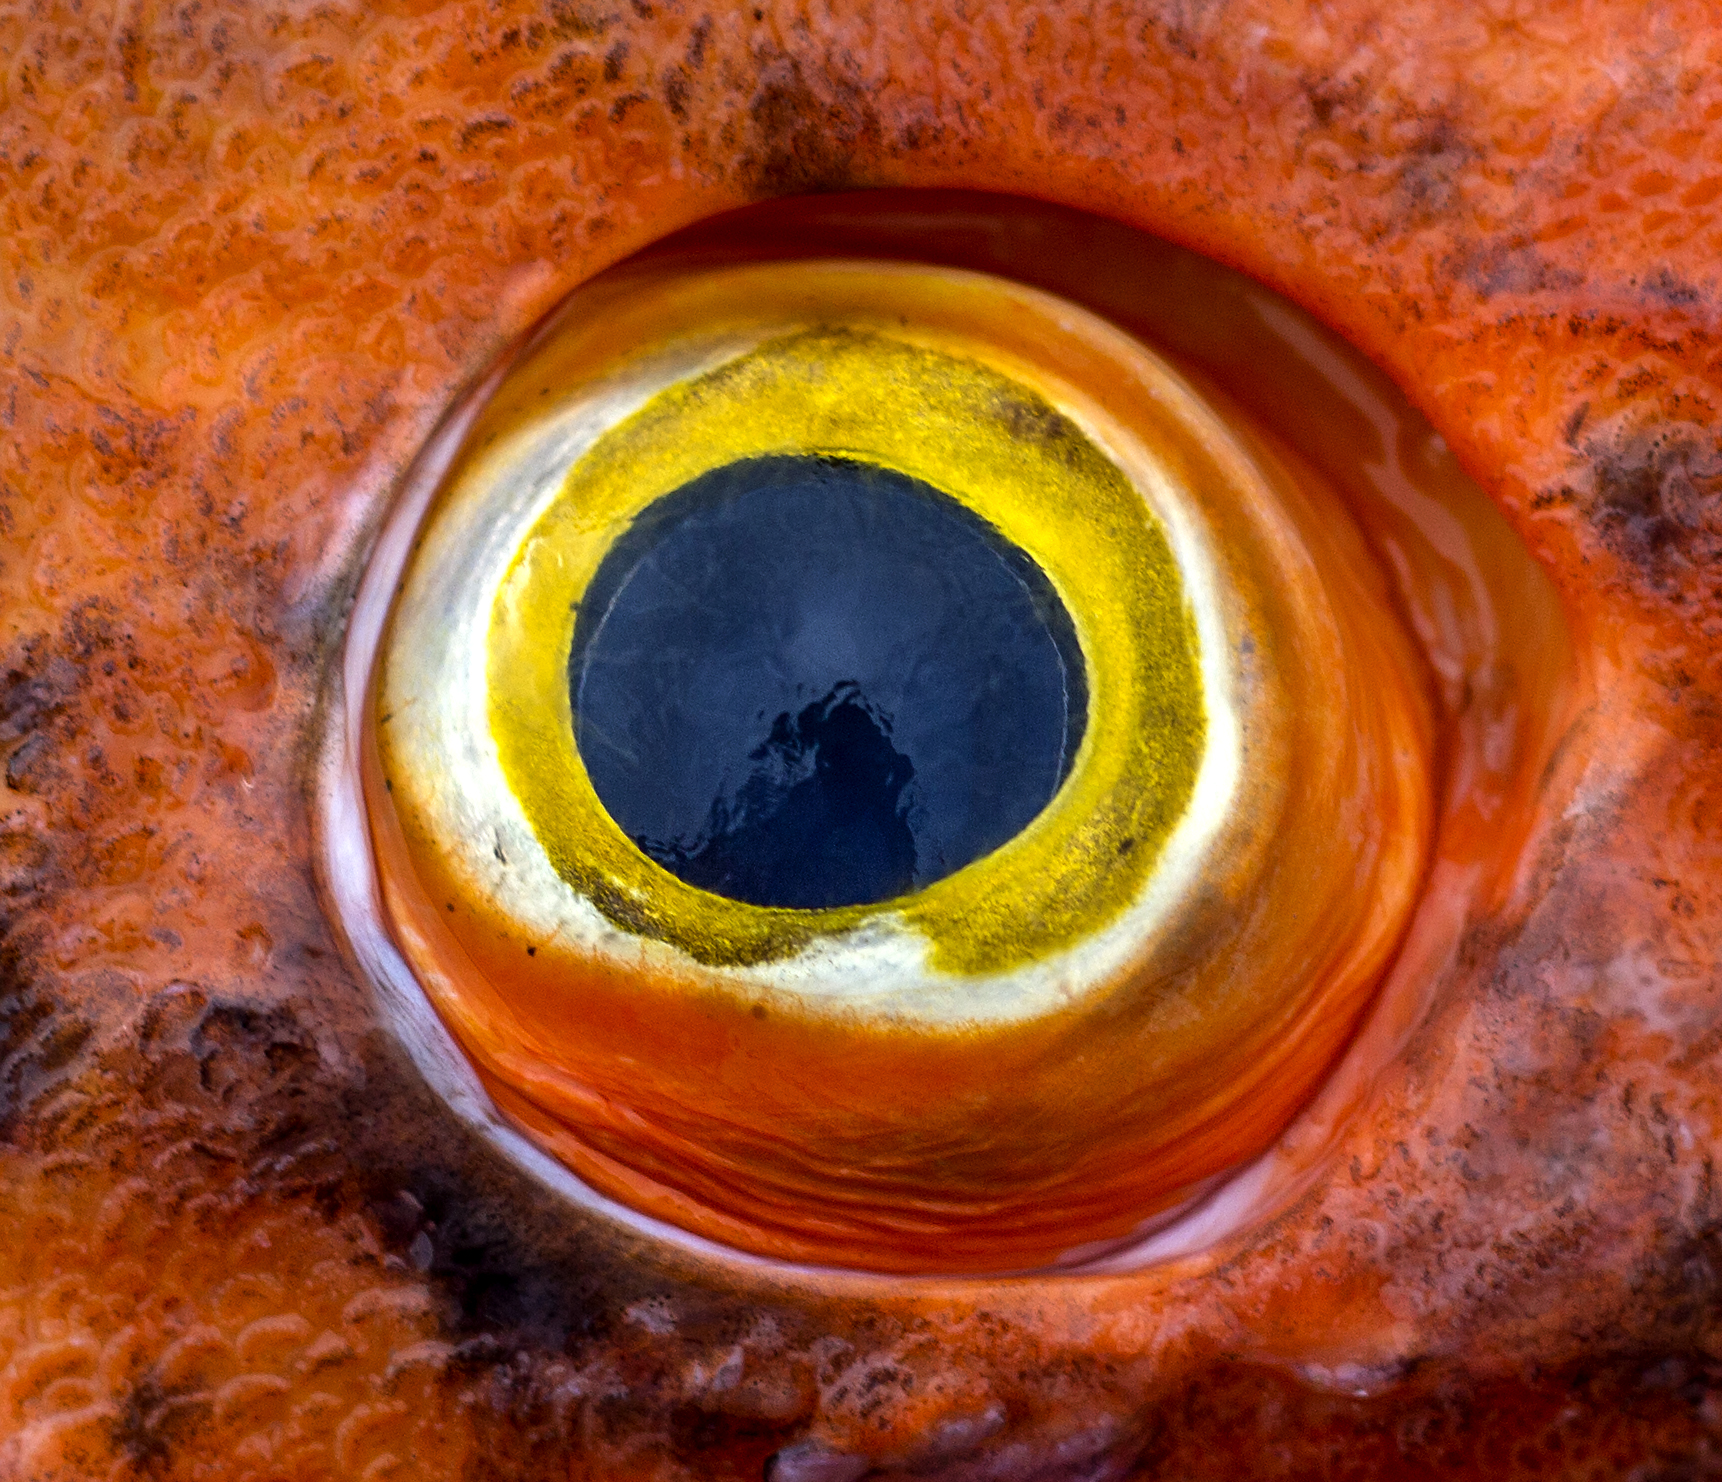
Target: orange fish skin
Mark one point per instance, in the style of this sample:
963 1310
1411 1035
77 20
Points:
251 255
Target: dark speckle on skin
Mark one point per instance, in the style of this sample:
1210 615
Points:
1185 25
582 22
149 1422
478 128
1512 267
22 767
1428 180
808 141
1668 288
36 1045
35 687
1330 97
1658 497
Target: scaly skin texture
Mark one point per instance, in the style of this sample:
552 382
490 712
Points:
250 254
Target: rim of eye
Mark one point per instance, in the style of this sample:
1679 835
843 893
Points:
870 765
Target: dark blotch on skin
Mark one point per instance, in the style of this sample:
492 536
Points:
1658 499
468 1242
1668 288
1513 268
227 1028
151 1421
810 142
36 1046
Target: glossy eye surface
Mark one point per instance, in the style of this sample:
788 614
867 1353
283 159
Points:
877 770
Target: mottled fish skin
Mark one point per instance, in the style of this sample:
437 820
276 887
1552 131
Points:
252 253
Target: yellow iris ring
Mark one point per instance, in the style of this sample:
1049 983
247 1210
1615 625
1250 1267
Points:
1001 449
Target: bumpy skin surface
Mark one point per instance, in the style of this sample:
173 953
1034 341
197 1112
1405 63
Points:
250 254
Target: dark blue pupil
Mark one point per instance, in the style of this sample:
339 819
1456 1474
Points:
812 682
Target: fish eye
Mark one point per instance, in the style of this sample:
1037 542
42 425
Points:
275 1211
873 764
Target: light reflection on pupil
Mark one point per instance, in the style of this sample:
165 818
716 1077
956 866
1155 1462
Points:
809 682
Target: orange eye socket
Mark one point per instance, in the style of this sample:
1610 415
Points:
1300 733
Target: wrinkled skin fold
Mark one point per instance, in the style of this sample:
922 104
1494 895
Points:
252 256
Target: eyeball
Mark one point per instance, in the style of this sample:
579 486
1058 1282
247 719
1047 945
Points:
872 766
